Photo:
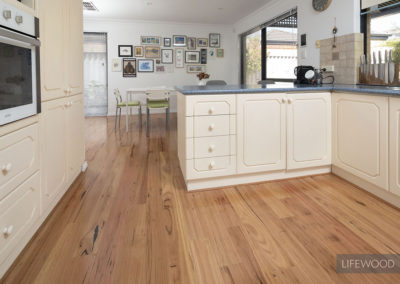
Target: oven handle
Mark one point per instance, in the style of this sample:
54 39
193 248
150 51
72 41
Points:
19 37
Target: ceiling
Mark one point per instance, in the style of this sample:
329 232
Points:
189 11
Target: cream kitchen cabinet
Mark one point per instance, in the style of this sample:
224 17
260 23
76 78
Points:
62 148
61 35
283 131
360 136
309 128
394 138
261 128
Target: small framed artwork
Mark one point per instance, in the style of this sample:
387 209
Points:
179 40
129 69
116 65
150 40
167 42
196 68
179 58
158 61
125 50
160 68
152 52
202 42
220 52
146 65
138 50
211 52
167 56
191 43
215 40
203 56
192 57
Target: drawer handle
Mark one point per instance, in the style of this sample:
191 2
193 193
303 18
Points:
211 127
211 149
290 101
8 231
7 168
212 165
284 101
211 110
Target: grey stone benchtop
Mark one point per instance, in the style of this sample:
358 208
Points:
285 88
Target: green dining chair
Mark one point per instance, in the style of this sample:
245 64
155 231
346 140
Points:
157 99
121 104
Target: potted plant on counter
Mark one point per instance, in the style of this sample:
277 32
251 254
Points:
203 77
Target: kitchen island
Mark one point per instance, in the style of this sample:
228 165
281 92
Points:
238 134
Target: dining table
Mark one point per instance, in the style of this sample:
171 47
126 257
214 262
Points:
130 95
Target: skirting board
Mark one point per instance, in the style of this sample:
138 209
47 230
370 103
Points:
371 188
202 184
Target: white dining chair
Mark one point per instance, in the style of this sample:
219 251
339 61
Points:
121 104
157 99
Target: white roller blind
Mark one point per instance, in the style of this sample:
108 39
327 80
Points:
369 3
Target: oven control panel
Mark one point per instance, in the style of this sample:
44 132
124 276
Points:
13 18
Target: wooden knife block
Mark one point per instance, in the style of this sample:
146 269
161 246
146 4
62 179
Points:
373 79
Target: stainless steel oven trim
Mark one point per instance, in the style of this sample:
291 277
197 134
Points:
19 37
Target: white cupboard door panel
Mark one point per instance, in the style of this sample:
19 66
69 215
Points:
52 36
19 211
210 105
75 47
211 167
309 130
211 125
19 158
54 150
394 152
261 132
212 147
360 126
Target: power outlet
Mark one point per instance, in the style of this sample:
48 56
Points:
329 68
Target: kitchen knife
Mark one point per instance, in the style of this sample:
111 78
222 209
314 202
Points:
386 67
376 67
391 67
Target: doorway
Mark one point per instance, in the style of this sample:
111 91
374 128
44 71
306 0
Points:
95 74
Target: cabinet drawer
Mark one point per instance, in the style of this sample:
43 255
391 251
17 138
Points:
211 126
210 105
19 211
206 147
19 158
211 167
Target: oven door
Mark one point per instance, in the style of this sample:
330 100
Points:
19 76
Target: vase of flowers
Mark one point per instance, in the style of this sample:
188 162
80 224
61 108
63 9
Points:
203 77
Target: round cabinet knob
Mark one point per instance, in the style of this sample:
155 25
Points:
7 168
290 101
211 127
212 164
8 231
211 149
7 14
19 19
284 101
211 110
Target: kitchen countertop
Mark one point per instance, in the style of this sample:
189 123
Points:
285 87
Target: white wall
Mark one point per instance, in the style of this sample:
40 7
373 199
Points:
316 25
129 32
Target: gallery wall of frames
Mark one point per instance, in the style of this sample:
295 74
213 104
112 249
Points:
154 54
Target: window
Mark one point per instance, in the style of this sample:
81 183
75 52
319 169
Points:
381 27
270 51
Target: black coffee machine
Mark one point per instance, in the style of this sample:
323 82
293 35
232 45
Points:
300 73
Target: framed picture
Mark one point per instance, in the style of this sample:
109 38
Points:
211 52
202 42
192 57
215 40
129 67
191 43
167 56
150 40
146 65
220 52
125 50
167 42
138 51
179 58
196 68
116 65
203 56
152 52
160 68
179 40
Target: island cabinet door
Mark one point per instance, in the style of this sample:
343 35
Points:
308 130
360 136
261 132
394 152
